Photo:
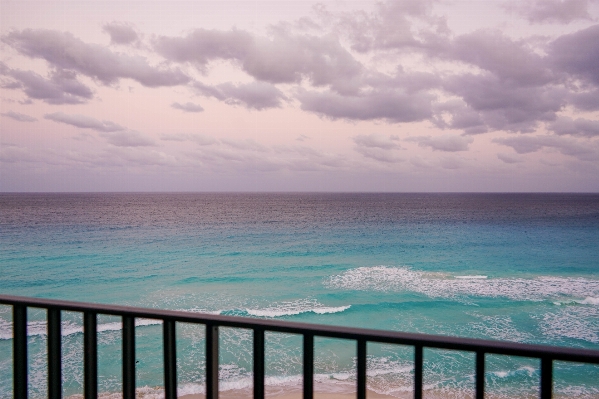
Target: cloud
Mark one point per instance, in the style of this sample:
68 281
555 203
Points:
510 159
585 101
391 26
197 138
246 145
502 106
377 147
577 54
376 141
560 11
462 117
446 143
587 151
84 122
19 117
120 33
285 58
509 60
393 106
188 107
65 51
575 127
254 95
129 138
62 87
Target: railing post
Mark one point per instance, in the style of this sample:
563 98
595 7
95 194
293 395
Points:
170 359
418 372
480 375
128 357
308 366
54 354
211 361
361 368
19 351
90 355
546 377
258 363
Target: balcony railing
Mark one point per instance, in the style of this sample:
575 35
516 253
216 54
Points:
169 318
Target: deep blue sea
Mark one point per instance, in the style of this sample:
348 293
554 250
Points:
516 267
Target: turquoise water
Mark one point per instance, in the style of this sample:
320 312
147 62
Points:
517 267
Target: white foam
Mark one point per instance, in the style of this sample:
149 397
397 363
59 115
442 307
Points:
294 308
40 328
590 301
575 322
525 369
439 285
473 277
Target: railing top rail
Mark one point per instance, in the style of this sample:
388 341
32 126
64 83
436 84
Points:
380 336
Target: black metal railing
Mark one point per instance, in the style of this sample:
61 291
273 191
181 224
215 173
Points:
169 318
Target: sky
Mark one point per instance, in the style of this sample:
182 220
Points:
396 96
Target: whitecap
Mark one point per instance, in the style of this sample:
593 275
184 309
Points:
40 328
437 285
473 277
590 301
292 308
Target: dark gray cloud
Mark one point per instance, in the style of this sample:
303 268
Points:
446 143
62 87
84 122
577 54
120 33
285 58
254 95
65 51
188 107
19 117
561 11
575 127
583 150
393 106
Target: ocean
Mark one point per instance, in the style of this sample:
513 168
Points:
514 267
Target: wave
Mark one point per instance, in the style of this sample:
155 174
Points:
474 277
294 308
280 309
40 328
442 285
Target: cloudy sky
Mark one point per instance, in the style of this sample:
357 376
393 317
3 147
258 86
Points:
444 95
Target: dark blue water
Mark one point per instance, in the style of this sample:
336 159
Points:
518 267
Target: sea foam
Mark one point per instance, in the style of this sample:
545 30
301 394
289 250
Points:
294 308
442 285
40 328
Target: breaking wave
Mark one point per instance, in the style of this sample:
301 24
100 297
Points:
442 285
